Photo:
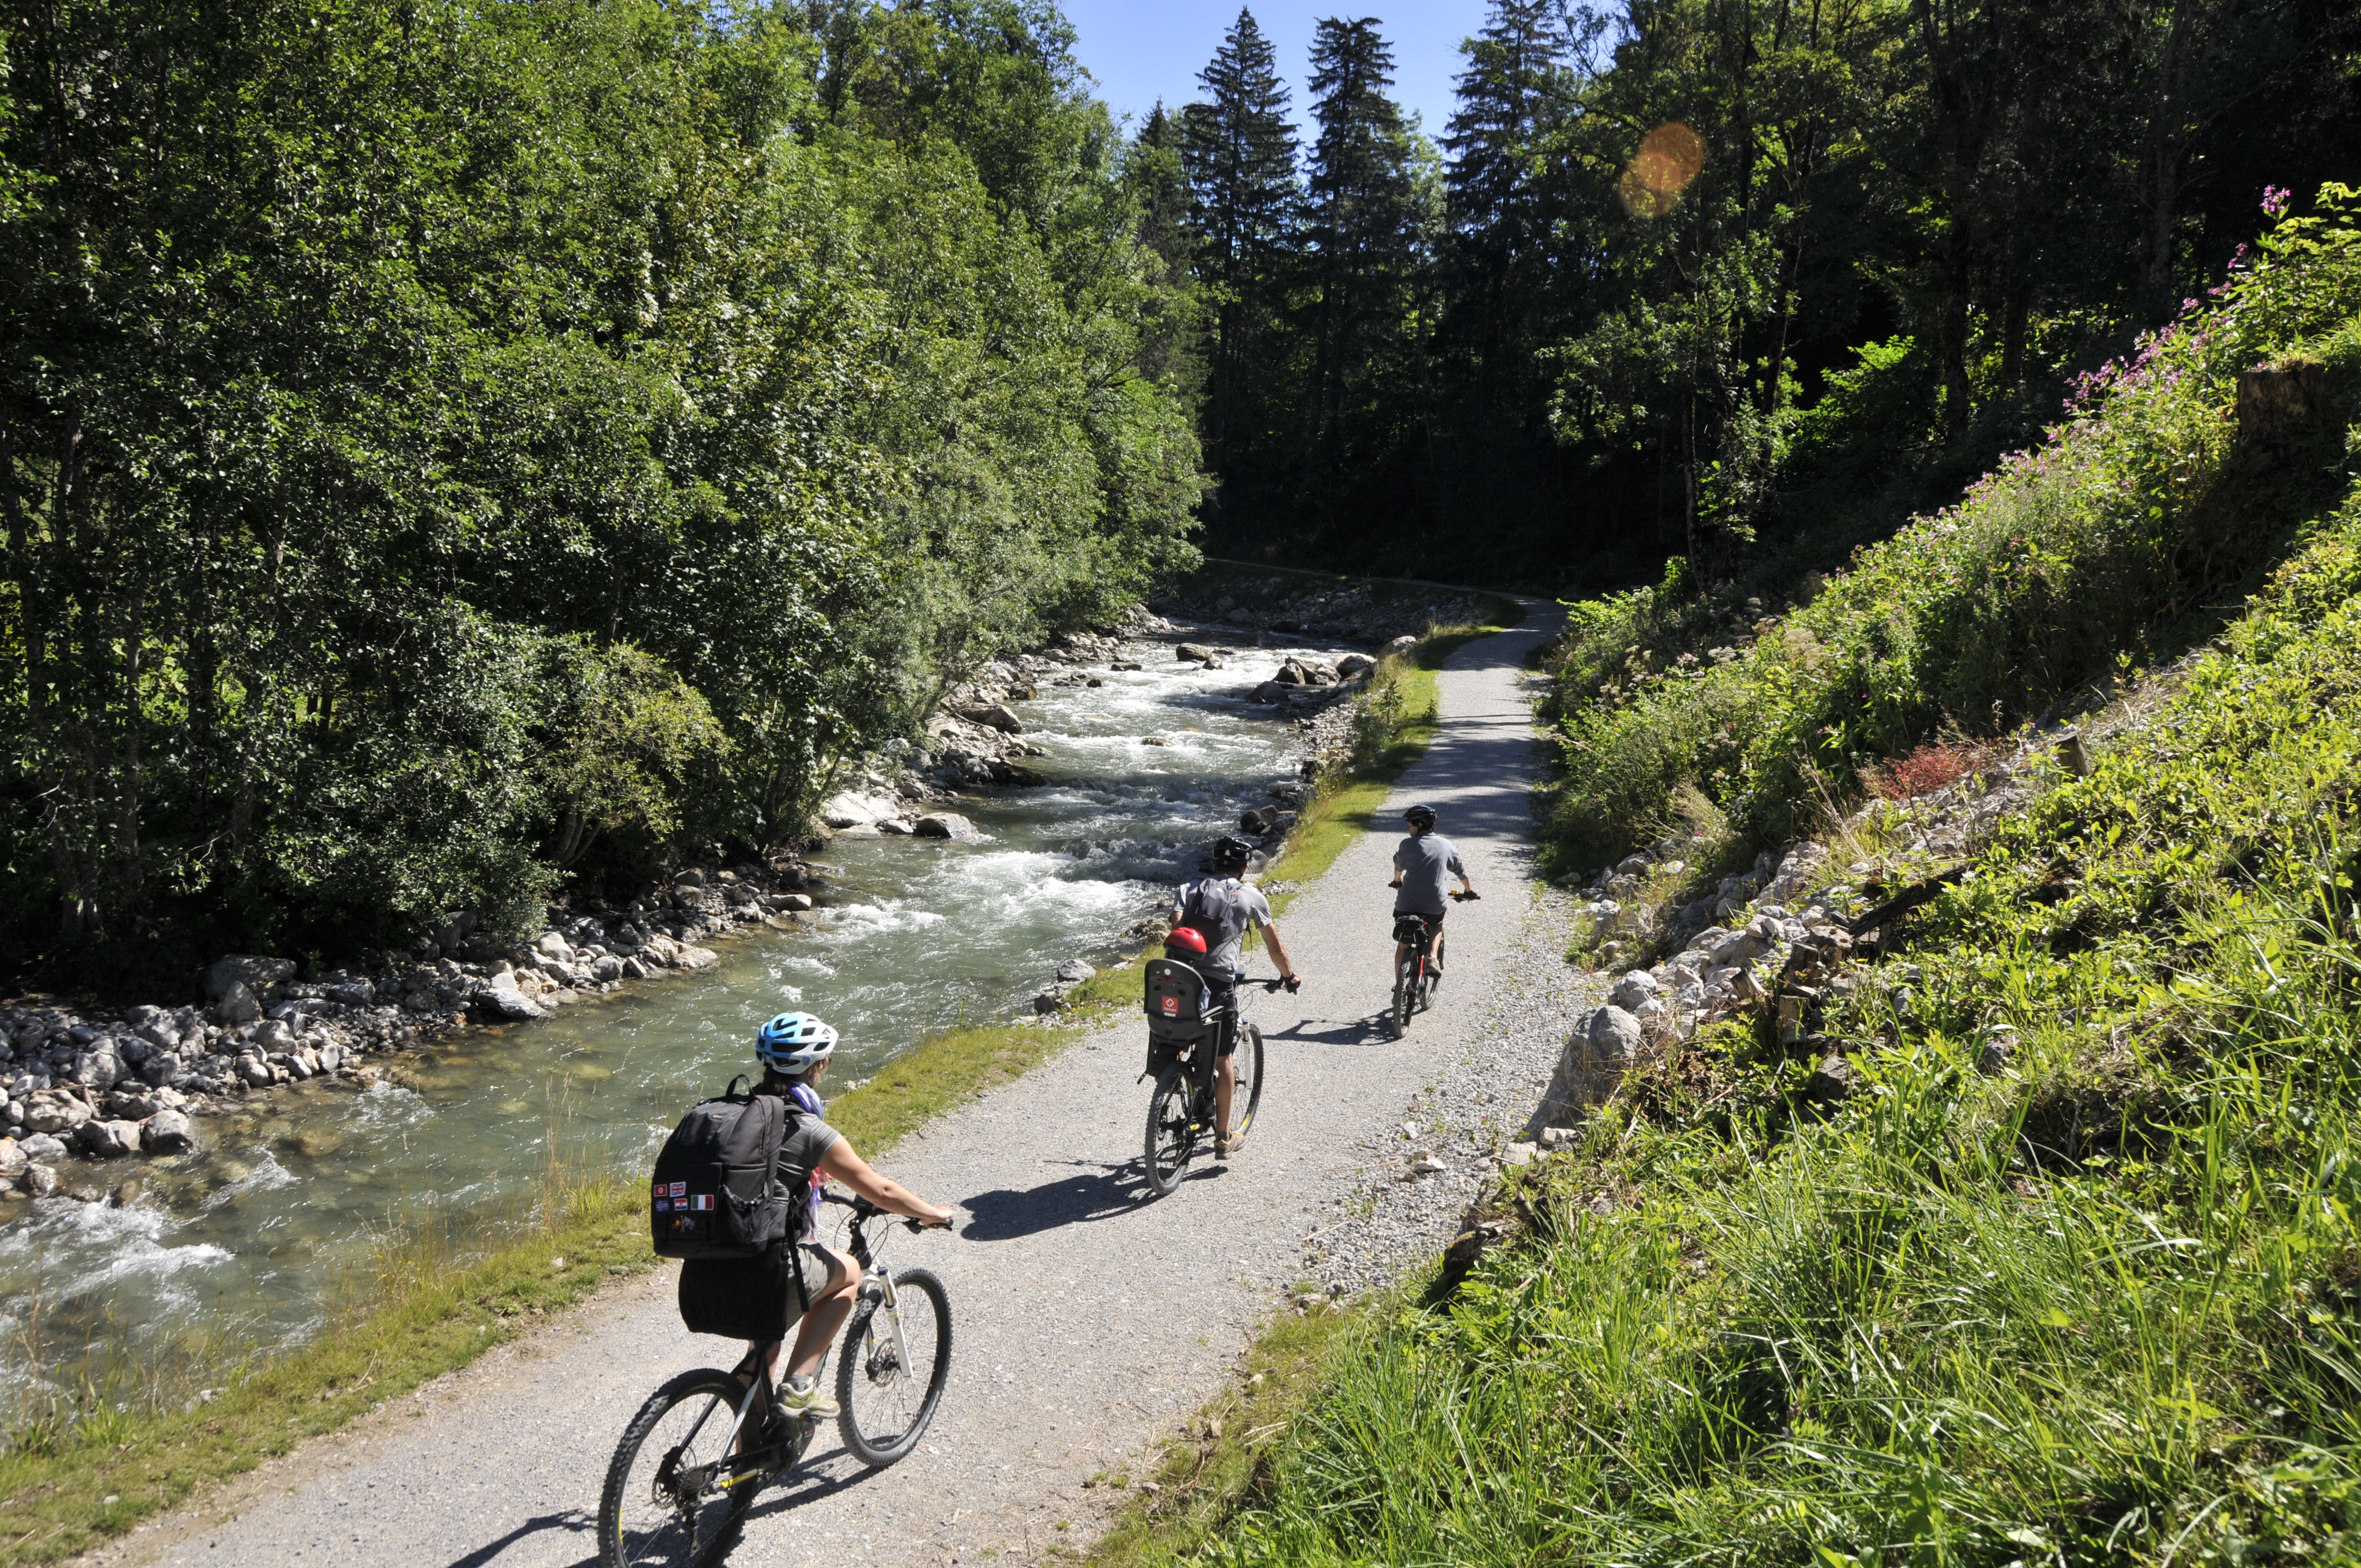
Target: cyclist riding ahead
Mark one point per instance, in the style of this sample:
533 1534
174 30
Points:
1219 908
794 1049
1424 864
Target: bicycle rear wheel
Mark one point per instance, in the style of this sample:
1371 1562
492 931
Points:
669 1498
890 1374
1171 1128
1247 1093
1405 996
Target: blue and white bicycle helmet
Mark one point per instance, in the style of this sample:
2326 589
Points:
792 1042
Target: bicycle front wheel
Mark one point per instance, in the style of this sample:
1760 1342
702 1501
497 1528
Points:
669 1497
891 1373
1246 1063
1171 1128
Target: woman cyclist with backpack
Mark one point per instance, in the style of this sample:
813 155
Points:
1210 916
812 1286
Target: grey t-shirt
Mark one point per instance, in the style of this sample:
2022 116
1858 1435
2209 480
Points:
1223 956
807 1144
1427 863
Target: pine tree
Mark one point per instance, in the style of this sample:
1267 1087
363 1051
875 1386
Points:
1514 89
1239 152
1362 231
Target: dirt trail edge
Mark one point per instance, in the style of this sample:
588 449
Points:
1087 1321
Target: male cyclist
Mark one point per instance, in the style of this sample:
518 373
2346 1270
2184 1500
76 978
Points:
1219 908
794 1049
1424 864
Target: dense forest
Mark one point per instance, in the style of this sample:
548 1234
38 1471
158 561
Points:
451 453
449 450
1725 281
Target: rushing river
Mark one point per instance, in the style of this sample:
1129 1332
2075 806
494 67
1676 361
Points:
254 1245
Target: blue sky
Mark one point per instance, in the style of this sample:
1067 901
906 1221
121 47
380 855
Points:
1141 52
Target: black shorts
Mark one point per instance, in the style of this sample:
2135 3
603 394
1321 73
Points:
1435 919
1223 991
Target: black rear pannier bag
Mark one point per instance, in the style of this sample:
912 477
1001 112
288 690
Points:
743 1297
712 1190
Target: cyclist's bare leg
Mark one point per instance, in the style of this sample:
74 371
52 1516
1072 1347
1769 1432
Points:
827 1313
1438 949
1225 1077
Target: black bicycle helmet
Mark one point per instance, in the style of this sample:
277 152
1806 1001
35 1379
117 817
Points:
1420 817
1231 855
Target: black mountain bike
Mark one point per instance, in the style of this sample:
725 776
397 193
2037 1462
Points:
1180 1108
693 1458
1415 976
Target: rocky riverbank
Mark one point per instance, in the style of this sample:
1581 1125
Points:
103 1085
89 1084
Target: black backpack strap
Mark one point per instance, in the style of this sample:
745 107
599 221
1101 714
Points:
731 1090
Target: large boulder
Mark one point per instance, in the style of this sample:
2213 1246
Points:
691 957
1353 666
256 973
170 1132
13 1159
1602 1045
1196 652
947 825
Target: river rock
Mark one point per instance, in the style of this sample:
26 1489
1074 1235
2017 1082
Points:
98 1067
255 1071
49 1110
105 1140
846 809
39 1180
1195 652
996 716
503 1000
1353 666
274 1035
946 825
1073 971
237 1005
550 945
634 969
133 1104
797 902
256 973
13 1159
1400 645
43 1148
170 1132
698 958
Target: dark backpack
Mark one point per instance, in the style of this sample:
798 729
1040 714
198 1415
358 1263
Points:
1215 911
715 1190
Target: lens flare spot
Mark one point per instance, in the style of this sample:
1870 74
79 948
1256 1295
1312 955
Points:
1669 158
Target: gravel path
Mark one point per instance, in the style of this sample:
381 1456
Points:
1089 1322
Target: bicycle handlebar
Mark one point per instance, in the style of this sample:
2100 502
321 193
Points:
863 1210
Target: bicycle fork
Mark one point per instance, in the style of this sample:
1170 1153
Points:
879 1286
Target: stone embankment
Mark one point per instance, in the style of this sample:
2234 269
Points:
1774 941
